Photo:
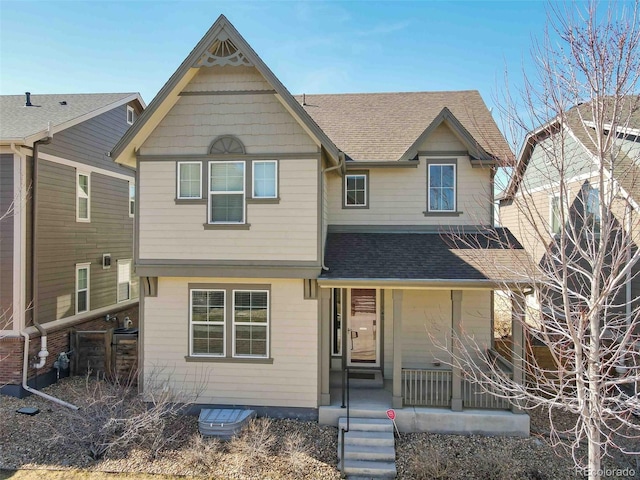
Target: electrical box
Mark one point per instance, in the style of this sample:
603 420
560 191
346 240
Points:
106 261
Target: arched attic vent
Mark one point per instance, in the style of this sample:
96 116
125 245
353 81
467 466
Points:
223 52
226 144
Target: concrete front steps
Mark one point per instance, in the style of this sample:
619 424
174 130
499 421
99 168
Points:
369 448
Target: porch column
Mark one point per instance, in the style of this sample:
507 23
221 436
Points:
324 345
517 339
456 328
397 349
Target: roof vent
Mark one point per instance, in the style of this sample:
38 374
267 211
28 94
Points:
28 102
64 102
304 99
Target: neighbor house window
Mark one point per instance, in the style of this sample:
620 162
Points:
355 190
226 192
124 280
83 199
442 188
189 180
250 323
131 115
132 199
555 220
207 318
265 179
82 287
592 209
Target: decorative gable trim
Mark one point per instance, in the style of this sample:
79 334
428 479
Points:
222 43
477 154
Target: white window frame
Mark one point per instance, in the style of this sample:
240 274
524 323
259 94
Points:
366 187
132 200
80 194
553 197
587 191
87 267
179 195
455 183
228 192
118 282
234 323
223 323
253 178
131 115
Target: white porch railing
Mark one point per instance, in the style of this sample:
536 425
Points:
432 388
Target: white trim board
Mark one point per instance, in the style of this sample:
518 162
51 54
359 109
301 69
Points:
86 167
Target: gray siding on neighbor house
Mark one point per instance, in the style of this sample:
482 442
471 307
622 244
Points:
6 241
63 242
89 141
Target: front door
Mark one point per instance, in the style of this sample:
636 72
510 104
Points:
363 332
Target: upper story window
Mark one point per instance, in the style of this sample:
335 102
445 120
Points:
131 115
442 187
227 192
83 199
265 179
356 190
124 280
82 287
592 208
132 199
555 212
189 180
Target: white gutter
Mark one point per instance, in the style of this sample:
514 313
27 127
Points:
25 368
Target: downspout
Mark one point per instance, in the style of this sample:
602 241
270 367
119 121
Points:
340 165
43 353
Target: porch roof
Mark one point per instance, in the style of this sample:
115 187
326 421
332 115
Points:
480 258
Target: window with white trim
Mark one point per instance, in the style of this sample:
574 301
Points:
226 192
82 287
189 180
442 187
592 208
132 199
555 214
124 280
83 198
265 179
355 190
207 315
250 323
131 115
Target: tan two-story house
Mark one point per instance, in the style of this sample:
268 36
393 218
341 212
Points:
281 240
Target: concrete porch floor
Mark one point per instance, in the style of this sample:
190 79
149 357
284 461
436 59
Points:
374 402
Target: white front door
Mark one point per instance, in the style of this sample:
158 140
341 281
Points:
363 327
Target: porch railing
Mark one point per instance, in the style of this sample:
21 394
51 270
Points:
432 388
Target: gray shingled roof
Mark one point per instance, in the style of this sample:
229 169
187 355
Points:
18 121
383 126
490 255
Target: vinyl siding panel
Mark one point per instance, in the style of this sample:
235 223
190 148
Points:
89 141
290 381
227 78
399 196
6 240
63 242
284 231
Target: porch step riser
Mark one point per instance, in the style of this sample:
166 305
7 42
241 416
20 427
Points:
369 469
372 425
361 452
369 448
367 441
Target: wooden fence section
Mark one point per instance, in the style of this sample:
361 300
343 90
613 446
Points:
101 353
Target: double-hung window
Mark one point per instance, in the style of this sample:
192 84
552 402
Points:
265 179
189 180
83 199
226 192
207 317
442 188
250 323
355 190
82 287
132 199
131 115
555 220
124 280
592 209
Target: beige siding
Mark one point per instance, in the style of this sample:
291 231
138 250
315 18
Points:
399 196
227 78
476 319
290 381
284 231
259 120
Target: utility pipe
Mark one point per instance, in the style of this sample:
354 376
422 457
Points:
341 164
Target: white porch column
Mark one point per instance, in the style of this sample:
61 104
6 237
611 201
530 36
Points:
456 328
397 349
324 345
518 350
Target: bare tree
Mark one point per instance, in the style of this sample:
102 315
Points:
574 206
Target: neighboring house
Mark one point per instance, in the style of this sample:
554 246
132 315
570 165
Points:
66 247
563 151
278 237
